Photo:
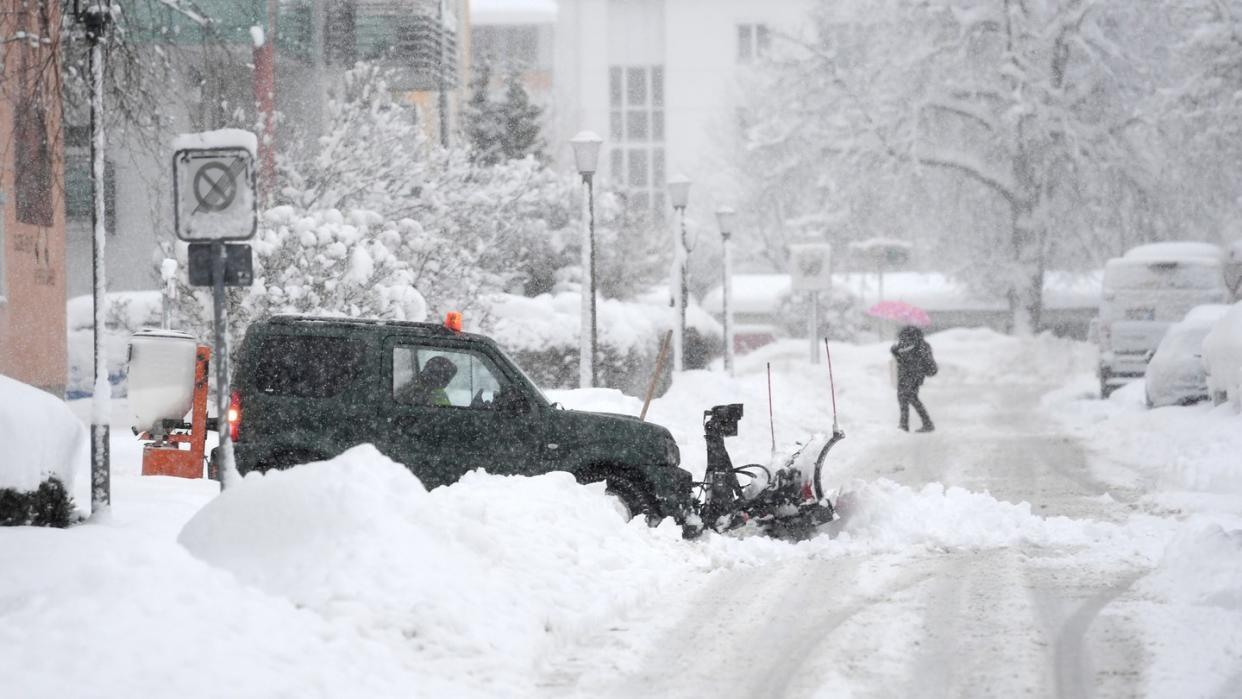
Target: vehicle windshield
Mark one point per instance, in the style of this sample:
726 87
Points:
1164 275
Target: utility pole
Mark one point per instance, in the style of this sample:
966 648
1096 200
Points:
95 19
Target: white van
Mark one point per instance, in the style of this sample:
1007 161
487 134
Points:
1146 291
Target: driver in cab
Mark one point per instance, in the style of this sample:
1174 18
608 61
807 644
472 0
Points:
428 388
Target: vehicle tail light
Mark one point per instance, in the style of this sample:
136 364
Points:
452 321
235 414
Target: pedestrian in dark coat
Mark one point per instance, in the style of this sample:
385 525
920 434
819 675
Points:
914 363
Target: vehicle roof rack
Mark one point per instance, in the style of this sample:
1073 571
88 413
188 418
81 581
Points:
338 320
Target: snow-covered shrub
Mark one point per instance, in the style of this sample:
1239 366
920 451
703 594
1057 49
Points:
840 314
43 448
541 334
468 227
317 263
49 505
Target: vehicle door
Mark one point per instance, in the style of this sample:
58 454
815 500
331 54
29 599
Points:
443 431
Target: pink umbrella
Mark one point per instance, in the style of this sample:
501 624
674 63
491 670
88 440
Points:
900 312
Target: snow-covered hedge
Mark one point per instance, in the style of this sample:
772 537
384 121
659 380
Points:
317 262
541 334
43 449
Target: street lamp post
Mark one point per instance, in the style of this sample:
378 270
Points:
586 156
679 195
95 18
726 217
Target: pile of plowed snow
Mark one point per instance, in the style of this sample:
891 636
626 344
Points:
883 515
481 578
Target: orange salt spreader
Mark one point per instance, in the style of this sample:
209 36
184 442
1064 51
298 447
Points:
168 373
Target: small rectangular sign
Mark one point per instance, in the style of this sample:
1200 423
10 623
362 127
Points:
811 266
238 266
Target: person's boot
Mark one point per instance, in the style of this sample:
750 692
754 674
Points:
904 427
927 427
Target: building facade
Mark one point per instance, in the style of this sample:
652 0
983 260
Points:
662 81
32 222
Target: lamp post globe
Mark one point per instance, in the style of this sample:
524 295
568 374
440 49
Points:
679 191
726 217
586 152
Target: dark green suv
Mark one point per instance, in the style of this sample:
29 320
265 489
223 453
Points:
439 401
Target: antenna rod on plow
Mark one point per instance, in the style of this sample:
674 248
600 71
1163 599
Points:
771 423
832 385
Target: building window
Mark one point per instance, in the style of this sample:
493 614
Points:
753 42
79 201
636 124
33 178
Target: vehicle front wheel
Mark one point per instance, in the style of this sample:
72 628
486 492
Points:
632 499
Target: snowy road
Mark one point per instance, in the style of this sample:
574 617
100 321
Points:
915 622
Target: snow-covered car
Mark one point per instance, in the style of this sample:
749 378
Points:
1222 357
1175 374
1146 291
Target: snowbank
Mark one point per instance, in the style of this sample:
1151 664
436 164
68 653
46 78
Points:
478 580
551 320
126 313
1190 448
1190 608
887 516
1201 566
104 611
39 438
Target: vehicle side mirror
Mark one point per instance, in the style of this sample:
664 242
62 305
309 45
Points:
511 401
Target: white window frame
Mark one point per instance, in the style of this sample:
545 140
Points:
652 109
754 41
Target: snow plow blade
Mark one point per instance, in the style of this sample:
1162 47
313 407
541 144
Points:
784 499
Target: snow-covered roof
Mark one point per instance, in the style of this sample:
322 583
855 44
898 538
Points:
1174 249
220 138
512 12
870 244
762 293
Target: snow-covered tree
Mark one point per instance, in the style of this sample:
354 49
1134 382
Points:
1013 121
481 124
508 128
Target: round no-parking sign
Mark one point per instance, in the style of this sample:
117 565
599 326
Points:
214 193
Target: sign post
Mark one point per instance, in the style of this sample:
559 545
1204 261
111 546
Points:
812 273
214 191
